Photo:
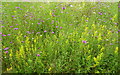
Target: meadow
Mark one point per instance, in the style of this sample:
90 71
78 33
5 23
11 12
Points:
59 37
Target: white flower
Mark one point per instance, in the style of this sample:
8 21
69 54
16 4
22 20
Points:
71 5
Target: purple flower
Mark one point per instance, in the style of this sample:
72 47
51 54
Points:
104 21
0 33
100 13
111 44
115 23
38 32
45 31
3 35
6 51
13 16
56 26
118 30
16 24
60 27
94 7
17 7
2 26
6 48
38 54
52 21
70 24
9 34
28 31
84 41
15 28
119 6
63 8
24 35
53 32
10 42
38 23
11 26
22 41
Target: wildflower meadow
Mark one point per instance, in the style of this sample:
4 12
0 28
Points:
59 37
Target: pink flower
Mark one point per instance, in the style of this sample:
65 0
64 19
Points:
15 28
38 54
60 27
84 41
9 34
38 23
6 48
63 8
45 31
6 51
11 26
3 35
53 32
56 26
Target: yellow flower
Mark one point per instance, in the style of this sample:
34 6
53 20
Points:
8 69
14 11
49 69
116 50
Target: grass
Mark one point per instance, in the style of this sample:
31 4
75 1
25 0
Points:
59 37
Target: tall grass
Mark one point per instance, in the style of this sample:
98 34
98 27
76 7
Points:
59 37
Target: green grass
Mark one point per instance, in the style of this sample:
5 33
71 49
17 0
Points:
62 51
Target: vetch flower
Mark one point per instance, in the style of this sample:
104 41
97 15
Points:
9 34
63 8
11 26
116 23
60 27
110 18
70 24
37 32
6 51
6 48
111 44
38 23
13 16
45 31
22 41
118 30
56 26
53 32
38 54
10 42
24 35
2 26
16 28
84 41
100 13
3 35
17 7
